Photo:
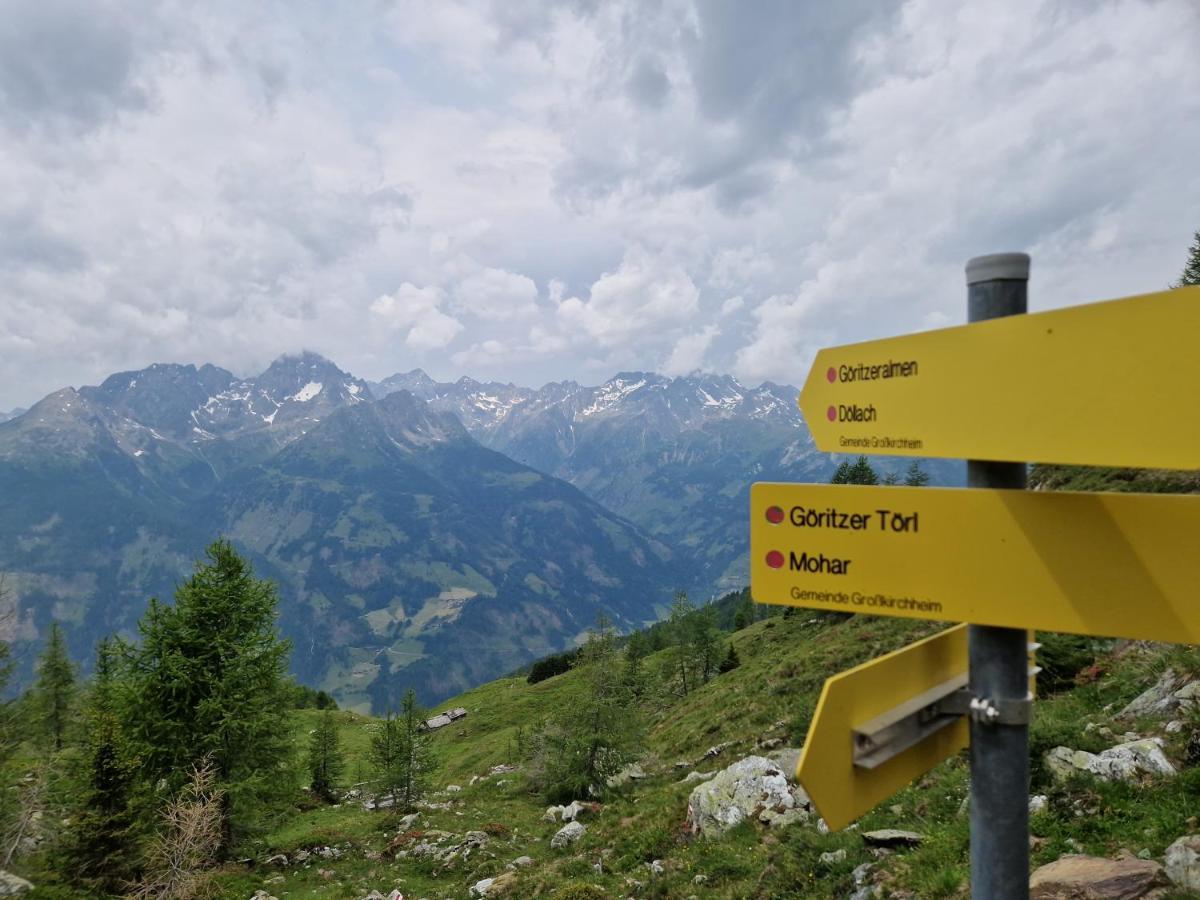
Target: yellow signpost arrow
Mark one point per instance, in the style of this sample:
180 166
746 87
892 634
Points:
1120 565
1102 384
853 703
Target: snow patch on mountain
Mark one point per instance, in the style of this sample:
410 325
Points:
307 392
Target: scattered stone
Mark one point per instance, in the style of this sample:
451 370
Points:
1038 803
491 887
1077 877
833 857
475 779
896 810
700 879
300 856
822 827
502 769
1130 736
521 862
568 834
326 874
452 788
571 811
1124 762
770 743
632 772
1183 862
257 895
1174 727
552 813
329 853
892 837
717 749
697 776
1145 853
408 821
751 788
656 867
277 860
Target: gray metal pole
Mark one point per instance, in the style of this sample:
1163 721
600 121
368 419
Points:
997 285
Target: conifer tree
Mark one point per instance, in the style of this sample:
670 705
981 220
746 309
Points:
415 759
916 476
100 841
731 660
681 644
325 760
208 682
636 651
593 738
858 472
399 752
746 613
55 688
1191 270
704 643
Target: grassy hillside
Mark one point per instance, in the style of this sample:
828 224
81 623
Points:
772 694
784 663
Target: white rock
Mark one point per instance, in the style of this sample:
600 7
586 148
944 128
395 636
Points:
1037 803
568 834
1124 762
1183 862
521 862
696 776
656 867
453 788
751 788
571 811
833 857
481 888
1174 727
552 814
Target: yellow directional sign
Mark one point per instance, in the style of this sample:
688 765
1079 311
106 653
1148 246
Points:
1119 565
1101 384
841 790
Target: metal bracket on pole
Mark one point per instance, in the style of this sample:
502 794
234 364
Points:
891 733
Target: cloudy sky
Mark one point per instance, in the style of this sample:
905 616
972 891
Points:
532 191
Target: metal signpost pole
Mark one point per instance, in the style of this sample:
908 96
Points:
999 663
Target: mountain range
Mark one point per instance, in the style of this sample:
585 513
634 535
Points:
421 533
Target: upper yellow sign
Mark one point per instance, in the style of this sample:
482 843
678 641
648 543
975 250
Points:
1117 565
841 790
1102 384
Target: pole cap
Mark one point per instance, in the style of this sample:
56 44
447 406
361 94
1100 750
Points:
998 267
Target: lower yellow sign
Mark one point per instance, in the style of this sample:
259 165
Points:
1118 565
841 788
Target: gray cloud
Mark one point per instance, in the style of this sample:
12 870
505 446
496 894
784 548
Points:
536 191
63 59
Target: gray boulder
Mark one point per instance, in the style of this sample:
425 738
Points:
1171 693
1183 862
1095 878
753 788
1124 762
568 834
892 837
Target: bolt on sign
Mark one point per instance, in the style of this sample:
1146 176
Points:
1106 384
1103 564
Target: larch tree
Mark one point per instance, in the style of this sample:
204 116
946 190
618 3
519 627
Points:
208 682
325 761
54 691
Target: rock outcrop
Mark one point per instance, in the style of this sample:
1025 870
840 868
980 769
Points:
1124 762
1183 862
752 789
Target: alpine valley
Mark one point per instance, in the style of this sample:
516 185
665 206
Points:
422 534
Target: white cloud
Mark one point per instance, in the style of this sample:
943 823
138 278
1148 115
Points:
642 297
496 294
688 354
417 312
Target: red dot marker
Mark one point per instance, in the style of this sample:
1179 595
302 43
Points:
831 374
775 559
774 515
831 414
